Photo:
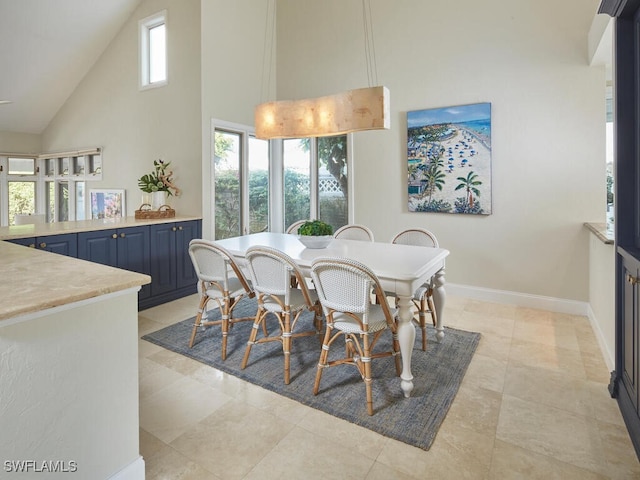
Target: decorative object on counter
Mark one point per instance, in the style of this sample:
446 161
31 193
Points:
107 203
146 211
160 180
315 234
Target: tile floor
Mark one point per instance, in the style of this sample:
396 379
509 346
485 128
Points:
533 405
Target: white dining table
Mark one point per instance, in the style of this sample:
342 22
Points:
401 269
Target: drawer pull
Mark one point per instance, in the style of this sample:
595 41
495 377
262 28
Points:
43 245
114 236
122 235
631 279
174 229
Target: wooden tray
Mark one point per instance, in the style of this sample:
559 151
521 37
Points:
145 212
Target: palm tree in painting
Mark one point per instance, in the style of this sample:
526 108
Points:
435 177
469 183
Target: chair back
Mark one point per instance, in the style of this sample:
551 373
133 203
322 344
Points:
213 263
271 271
416 236
354 232
345 285
293 228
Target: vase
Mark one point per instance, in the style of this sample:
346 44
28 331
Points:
158 199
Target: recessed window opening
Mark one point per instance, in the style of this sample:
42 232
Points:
153 50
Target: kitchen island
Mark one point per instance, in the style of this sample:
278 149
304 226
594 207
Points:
68 366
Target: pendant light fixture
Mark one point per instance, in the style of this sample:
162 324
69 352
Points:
345 112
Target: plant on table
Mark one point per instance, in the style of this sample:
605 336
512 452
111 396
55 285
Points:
315 228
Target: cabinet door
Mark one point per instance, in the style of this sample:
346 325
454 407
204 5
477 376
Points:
66 244
27 242
186 231
163 258
99 247
133 253
630 334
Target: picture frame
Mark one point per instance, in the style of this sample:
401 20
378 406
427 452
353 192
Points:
449 159
107 203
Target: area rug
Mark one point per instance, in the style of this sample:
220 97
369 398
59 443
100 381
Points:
437 374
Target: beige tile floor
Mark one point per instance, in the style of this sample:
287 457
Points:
533 405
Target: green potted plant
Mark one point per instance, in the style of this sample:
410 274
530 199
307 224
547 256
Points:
315 234
159 180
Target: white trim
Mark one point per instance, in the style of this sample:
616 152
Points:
133 471
609 357
551 304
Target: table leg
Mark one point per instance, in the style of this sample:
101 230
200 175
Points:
406 338
439 298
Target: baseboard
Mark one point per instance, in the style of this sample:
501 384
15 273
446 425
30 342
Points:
608 355
133 471
551 304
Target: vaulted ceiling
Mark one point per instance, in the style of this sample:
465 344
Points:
46 48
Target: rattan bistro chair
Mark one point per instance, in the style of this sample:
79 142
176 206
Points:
271 271
293 228
354 232
423 296
344 287
219 279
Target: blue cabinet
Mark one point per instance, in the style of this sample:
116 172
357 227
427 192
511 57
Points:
160 250
172 273
65 244
126 248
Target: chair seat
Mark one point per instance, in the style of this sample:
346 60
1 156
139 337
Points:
296 299
235 289
377 320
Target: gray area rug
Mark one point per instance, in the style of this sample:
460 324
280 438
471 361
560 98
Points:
437 374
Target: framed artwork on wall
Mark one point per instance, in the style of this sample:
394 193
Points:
107 203
449 159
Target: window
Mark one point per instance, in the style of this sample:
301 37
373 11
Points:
20 187
153 50
316 180
47 184
241 182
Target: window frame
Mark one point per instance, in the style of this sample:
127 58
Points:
144 46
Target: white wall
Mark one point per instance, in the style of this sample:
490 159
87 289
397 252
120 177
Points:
11 142
69 388
529 59
602 296
137 127
233 39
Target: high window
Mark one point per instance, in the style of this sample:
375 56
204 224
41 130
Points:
153 50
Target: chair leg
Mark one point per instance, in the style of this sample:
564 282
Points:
225 326
322 363
203 302
432 308
252 337
367 384
423 324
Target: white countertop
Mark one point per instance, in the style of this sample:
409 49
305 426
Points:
58 228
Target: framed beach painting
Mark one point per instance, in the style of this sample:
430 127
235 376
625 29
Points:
107 203
449 159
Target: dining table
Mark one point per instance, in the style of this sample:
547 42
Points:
401 269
